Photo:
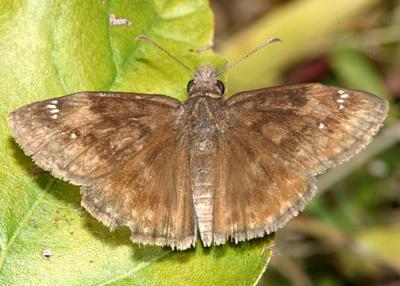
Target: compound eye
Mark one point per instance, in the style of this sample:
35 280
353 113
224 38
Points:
221 87
189 85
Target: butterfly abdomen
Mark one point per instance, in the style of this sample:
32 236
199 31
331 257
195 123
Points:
203 164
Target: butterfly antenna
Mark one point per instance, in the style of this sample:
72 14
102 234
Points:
151 41
263 45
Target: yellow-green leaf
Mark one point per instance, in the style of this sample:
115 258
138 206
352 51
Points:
53 48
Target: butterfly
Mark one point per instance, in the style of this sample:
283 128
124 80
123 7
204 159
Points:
232 169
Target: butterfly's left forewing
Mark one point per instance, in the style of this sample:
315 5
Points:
309 127
127 153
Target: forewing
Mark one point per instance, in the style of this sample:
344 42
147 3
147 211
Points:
310 127
84 136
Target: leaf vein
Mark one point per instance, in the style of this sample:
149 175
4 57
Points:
112 48
155 21
140 267
53 61
40 197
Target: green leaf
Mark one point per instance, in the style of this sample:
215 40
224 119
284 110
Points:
53 48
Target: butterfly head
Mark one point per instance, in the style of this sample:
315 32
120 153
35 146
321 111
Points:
206 83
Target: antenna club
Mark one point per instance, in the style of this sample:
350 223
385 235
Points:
274 40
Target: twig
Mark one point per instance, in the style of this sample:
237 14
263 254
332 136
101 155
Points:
335 239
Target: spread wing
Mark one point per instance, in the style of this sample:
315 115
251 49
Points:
150 194
125 151
279 139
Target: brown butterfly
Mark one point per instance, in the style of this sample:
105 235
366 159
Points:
234 169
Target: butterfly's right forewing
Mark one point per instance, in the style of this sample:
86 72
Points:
83 136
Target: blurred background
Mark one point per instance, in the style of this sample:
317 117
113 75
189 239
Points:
350 233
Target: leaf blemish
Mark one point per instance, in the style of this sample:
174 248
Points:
46 253
114 21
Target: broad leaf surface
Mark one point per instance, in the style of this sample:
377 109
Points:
53 48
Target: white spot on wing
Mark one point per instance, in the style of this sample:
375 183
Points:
54 111
340 100
51 106
341 91
73 135
321 126
341 106
54 101
54 116
345 95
